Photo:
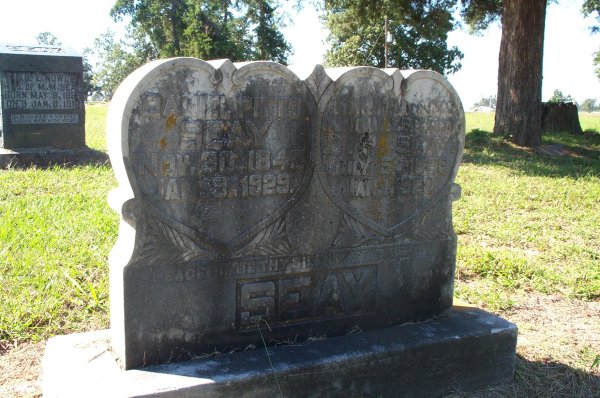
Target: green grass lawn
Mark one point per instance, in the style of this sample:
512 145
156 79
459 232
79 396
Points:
55 234
525 222
95 122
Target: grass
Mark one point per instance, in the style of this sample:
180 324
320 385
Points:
95 126
527 226
526 221
55 233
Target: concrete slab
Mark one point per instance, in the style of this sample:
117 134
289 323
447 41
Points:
469 349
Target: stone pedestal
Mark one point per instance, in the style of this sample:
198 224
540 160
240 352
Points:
467 350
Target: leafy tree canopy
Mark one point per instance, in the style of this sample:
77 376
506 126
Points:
558 96
591 7
116 60
48 39
479 14
589 105
208 29
487 102
418 29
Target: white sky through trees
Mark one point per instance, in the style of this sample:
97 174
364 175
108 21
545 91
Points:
568 50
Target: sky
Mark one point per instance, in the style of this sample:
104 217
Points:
568 49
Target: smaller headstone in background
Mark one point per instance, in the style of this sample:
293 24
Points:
42 112
560 116
41 88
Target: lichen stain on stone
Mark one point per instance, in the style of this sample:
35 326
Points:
330 134
383 147
163 143
170 122
165 168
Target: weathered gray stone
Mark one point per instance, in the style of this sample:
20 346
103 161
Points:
250 198
41 97
466 351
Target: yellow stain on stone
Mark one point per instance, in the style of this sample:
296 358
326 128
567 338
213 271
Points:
383 147
330 134
170 122
163 143
165 167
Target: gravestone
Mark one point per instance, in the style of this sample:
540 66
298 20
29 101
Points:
258 202
310 218
42 97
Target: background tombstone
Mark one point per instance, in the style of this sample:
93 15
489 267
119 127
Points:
41 96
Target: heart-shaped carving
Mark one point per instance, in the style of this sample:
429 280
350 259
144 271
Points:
218 153
387 146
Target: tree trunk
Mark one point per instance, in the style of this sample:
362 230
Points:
225 7
519 106
174 17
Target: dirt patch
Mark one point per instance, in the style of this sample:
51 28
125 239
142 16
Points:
559 340
20 369
553 328
555 150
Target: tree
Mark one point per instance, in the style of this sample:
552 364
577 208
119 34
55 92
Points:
209 29
269 42
558 96
116 60
239 30
88 73
213 32
593 7
162 21
419 30
518 110
48 39
589 105
487 101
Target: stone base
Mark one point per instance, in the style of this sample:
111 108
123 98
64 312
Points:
467 350
44 157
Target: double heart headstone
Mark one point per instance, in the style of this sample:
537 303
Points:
253 202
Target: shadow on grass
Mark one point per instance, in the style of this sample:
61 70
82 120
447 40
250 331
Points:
582 154
47 157
542 379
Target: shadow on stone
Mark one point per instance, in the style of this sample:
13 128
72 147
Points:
467 349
